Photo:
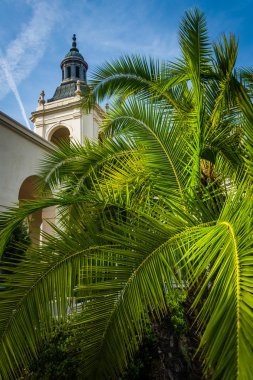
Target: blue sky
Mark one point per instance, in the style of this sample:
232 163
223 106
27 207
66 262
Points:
36 34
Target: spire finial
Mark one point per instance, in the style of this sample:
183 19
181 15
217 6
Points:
74 48
74 41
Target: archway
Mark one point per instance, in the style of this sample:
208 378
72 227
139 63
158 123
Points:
61 134
40 220
29 191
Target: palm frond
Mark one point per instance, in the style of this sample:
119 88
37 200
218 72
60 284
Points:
125 76
164 149
220 263
195 46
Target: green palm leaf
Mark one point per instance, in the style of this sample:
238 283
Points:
226 250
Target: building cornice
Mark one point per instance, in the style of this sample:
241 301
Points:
63 104
51 107
7 122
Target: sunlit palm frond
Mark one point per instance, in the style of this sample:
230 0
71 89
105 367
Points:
164 149
247 108
73 163
224 69
220 266
195 46
129 290
125 76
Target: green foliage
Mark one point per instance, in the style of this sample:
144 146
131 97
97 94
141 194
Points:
57 359
18 242
168 346
140 367
15 249
176 306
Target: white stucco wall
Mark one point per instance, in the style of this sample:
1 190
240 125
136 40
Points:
21 150
20 153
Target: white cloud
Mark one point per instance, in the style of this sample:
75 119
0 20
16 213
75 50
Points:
24 53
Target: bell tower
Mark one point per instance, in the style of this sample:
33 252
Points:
61 116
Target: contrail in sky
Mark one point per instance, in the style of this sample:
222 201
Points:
14 89
22 54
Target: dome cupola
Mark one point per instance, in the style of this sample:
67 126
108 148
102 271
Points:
73 65
74 79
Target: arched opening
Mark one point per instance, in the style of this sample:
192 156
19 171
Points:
40 220
60 135
28 191
77 72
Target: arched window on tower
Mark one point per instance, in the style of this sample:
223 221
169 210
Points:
77 72
60 135
68 71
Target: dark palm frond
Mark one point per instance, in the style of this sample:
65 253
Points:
246 77
31 304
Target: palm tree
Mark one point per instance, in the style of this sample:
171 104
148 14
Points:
163 201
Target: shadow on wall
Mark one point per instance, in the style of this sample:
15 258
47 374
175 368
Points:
40 220
61 134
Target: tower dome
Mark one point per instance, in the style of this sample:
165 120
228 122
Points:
73 65
74 68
